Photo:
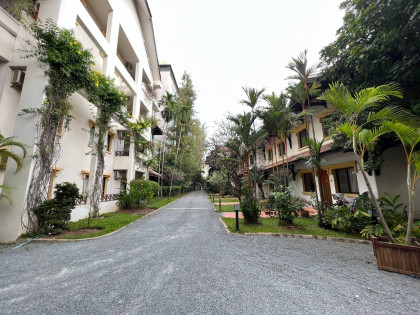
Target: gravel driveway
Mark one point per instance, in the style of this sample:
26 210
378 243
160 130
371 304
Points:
180 260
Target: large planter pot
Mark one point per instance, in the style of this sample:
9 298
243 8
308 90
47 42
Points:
396 257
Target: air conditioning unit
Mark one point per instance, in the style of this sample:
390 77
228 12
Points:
18 78
120 174
121 134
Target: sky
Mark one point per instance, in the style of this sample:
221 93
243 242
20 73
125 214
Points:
229 44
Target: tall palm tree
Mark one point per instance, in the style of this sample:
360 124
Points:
170 104
258 177
5 154
253 97
248 138
409 137
352 107
314 161
302 72
289 120
270 117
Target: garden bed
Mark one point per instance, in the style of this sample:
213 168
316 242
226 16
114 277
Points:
307 226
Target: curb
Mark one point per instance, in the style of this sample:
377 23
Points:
100 236
304 236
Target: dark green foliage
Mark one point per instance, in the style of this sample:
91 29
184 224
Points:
344 218
139 193
285 205
176 190
54 215
249 206
379 43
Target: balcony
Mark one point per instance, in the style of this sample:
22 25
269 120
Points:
98 11
126 54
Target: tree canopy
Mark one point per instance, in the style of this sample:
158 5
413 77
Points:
379 43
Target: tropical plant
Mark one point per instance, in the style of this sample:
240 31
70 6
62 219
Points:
250 207
286 205
352 107
304 90
5 154
258 177
409 137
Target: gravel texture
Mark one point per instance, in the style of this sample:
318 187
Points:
180 260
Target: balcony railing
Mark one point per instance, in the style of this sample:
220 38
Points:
110 197
122 153
81 201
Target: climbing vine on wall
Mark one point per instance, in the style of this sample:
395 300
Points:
67 66
110 102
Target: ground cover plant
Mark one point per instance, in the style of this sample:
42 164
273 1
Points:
306 226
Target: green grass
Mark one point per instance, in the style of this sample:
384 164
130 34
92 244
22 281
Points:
108 222
225 208
158 203
216 200
308 226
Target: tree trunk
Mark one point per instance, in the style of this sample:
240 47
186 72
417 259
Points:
260 186
321 195
375 202
96 195
287 163
411 191
176 158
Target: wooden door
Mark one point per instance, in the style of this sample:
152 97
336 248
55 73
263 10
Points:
326 188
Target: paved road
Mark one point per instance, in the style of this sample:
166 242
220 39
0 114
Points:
180 260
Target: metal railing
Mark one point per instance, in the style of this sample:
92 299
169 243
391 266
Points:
110 197
122 153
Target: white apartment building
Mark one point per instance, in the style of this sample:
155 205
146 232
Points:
120 35
340 172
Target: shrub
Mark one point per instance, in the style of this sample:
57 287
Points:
54 214
285 205
175 190
249 207
139 193
351 220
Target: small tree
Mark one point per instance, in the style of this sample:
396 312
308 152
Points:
352 108
110 102
410 138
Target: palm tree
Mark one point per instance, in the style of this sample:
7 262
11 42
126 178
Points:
302 72
270 117
253 96
169 104
258 177
352 107
247 138
289 120
409 137
5 154
314 161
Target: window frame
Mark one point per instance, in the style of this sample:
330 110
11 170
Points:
302 175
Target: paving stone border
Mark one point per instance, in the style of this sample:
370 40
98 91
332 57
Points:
305 236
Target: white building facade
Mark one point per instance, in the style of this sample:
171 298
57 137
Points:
120 35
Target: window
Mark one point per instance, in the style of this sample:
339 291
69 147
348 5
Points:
324 129
85 183
308 182
251 159
270 154
282 148
346 180
302 136
108 141
91 135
